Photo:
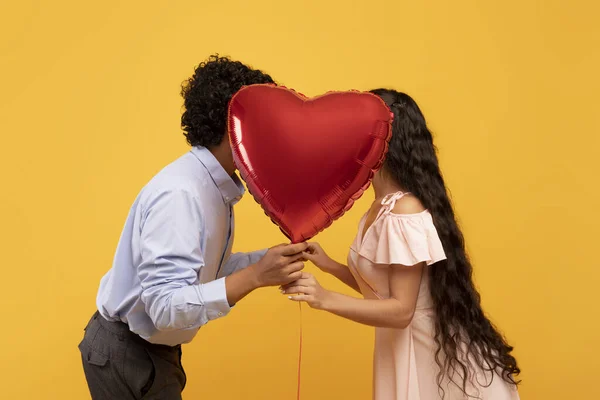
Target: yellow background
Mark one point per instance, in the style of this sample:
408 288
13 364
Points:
90 111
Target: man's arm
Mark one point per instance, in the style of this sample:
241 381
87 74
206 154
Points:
239 261
171 262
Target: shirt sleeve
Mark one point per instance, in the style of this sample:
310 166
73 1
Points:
238 261
171 260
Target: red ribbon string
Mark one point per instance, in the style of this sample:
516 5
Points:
300 353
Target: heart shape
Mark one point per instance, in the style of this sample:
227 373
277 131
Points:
306 160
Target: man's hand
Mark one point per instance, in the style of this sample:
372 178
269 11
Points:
281 265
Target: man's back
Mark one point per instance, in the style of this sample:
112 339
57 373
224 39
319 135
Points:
181 223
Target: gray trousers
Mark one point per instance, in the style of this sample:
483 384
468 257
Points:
120 365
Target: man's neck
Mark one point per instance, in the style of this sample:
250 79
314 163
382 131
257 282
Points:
222 153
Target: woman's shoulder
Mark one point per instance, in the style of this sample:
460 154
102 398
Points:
404 235
408 205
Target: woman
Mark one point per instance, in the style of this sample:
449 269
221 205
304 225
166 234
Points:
432 341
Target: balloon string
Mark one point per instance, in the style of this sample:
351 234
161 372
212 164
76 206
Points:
300 352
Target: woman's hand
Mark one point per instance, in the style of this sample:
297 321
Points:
308 290
315 254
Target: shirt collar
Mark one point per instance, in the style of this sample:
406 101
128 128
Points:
231 187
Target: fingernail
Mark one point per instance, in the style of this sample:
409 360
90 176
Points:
290 297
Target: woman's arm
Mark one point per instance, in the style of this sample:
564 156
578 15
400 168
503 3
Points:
395 312
317 256
342 272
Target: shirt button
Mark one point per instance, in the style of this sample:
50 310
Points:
220 314
189 326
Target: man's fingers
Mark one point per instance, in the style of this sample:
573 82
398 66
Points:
294 276
293 267
294 248
295 257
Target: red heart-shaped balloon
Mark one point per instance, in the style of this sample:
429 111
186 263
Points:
307 160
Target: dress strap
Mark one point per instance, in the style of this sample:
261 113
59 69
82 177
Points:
389 202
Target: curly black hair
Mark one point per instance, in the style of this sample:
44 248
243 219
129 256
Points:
206 96
466 339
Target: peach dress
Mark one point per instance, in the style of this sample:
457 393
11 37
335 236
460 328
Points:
404 363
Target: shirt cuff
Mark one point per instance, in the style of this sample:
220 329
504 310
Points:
255 256
214 296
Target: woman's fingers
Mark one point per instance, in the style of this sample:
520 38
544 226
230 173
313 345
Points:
301 281
300 297
297 289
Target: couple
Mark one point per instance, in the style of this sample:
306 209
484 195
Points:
173 270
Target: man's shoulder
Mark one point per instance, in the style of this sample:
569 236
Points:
184 175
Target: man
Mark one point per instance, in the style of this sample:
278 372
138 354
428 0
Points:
173 270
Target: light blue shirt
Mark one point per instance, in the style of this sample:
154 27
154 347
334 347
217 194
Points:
168 274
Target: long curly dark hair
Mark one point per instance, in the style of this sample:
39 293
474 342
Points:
206 96
463 334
